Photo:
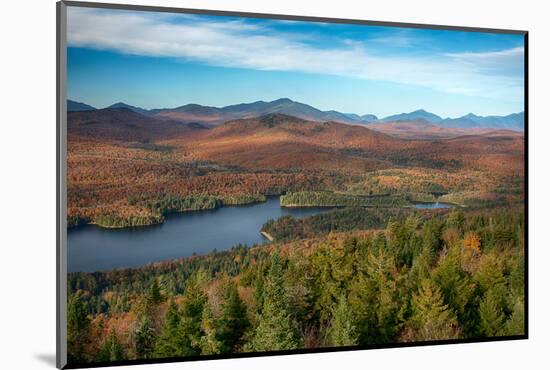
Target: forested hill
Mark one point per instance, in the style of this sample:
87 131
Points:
454 276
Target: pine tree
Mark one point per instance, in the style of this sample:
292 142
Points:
517 276
431 239
516 323
172 342
111 349
191 316
155 296
325 265
233 320
144 339
456 287
342 330
78 328
490 276
456 219
209 342
275 329
491 316
432 319
375 300
403 242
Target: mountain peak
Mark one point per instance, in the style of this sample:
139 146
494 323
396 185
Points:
120 105
128 106
471 115
75 106
283 101
414 115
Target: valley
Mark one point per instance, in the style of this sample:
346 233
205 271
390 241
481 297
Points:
329 233
127 169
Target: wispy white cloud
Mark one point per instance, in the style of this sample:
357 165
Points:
250 45
400 38
503 62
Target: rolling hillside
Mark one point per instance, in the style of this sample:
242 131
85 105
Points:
120 160
281 141
122 124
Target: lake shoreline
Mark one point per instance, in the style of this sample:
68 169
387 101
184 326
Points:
311 206
94 248
267 235
290 206
185 211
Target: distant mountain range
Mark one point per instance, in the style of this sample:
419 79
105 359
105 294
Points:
129 107
213 116
420 114
513 121
74 106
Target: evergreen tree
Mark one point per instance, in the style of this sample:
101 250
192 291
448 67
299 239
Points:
516 323
233 320
490 276
111 349
375 300
420 270
191 317
456 219
155 296
172 342
328 269
342 330
403 242
432 319
144 339
431 239
275 329
491 316
78 328
457 288
300 291
209 342
259 292
517 277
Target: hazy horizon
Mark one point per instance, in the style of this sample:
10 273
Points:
281 98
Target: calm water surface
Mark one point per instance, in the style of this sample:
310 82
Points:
91 248
433 205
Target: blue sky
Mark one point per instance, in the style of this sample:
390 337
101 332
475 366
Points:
157 60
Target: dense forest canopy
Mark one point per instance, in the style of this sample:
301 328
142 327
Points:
405 278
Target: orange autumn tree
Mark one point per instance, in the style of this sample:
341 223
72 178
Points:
471 251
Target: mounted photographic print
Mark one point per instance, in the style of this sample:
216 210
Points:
235 185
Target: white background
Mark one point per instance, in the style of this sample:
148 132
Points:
27 183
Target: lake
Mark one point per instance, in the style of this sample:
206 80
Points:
91 248
432 205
